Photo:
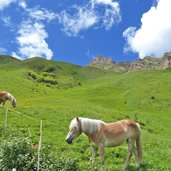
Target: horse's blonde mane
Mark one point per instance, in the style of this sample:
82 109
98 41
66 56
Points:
90 125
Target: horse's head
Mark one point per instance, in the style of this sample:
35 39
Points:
74 130
14 102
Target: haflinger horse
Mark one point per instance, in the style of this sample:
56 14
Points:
103 135
4 96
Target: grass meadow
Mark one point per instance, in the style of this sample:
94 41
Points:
144 96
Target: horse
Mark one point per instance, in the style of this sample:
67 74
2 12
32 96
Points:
103 135
4 96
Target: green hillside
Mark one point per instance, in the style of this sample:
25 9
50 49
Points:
56 92
7 59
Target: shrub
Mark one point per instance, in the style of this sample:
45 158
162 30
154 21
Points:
67 164
47 80
152 97
50 69
18 153
32 75
45 74
50 79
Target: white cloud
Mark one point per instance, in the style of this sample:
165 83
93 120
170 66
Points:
78 18
154 36
106 2
82 20
7 21
31 34
110 18
2 50
16 56
22 4
37 13
5 3
41 14
31 41
128 34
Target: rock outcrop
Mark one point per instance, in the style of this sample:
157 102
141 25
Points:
147 63
106 64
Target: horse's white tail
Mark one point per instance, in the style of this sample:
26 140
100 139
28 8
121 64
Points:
139 146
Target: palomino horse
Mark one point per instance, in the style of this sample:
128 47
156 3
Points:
103 135
4 96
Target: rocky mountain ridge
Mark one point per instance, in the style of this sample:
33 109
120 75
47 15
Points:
140 64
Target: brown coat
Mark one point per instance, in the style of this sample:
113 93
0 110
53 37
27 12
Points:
4 96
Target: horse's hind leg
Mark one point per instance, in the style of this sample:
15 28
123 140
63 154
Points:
130 151
136 157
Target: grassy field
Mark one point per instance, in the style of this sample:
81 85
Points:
68 91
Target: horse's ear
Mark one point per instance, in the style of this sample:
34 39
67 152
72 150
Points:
77 119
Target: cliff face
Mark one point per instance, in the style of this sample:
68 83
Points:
106 64
153 63
167 60
102 60
140 64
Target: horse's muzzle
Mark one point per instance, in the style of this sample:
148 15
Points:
69 141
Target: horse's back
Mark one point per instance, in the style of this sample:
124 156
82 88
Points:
2 94
124 124
124 127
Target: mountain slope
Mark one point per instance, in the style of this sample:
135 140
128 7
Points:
51 73
144 96
8 59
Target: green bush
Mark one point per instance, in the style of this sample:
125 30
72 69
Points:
50 69
58 80
46 74
67 164
47 80
32 74
19 153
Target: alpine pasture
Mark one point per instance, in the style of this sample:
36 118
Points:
56 92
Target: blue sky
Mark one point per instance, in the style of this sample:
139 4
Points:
76 31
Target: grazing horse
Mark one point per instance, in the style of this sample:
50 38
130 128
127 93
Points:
103 135
4 96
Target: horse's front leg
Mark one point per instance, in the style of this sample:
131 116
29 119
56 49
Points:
94 152
102 151
4 102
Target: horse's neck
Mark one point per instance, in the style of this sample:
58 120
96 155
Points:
90 126
10 97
